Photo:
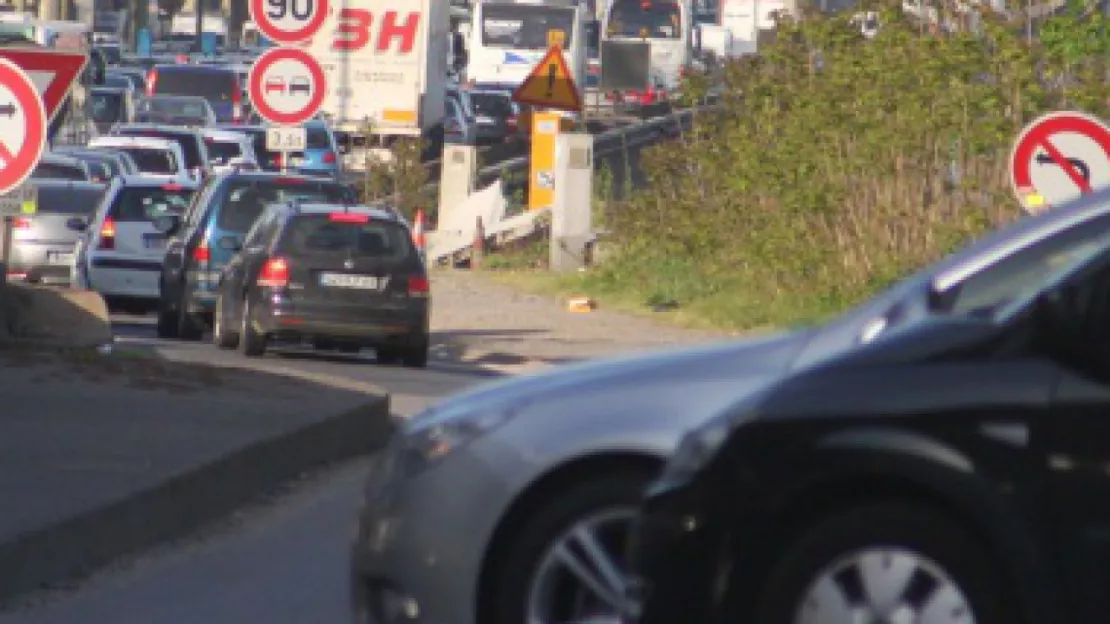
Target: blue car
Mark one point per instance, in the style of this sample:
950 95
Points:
203 241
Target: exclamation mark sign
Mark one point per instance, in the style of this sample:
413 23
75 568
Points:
552 72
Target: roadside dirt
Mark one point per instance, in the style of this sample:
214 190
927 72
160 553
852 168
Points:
477 320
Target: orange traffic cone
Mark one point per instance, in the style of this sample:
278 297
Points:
418 231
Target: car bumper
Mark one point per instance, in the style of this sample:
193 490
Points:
421 539
404 324
673 560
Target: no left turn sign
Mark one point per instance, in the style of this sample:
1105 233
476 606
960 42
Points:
22 126
289 21
1059 157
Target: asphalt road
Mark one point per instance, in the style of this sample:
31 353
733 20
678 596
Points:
281 561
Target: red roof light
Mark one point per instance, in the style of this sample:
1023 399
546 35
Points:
172 187
348 217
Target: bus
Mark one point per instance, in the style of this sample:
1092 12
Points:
667 25
508 38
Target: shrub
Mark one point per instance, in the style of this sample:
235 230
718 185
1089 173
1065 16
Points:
838 163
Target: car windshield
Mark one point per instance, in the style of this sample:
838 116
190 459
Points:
65 200
147 203
187 141
58 171
318 235
105 107
317 138
214 86
116 80
193 108
525 26
1024 273
221 152
656 19
246 200
153 160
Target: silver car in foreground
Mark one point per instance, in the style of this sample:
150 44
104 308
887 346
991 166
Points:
43 243
510 504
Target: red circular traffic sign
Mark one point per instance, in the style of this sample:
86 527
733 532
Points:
286 86
22 126
1058 157
289 21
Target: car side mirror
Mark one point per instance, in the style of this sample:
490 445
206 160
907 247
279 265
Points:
77 224
167 224
230 243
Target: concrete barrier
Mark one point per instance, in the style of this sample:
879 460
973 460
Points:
53 316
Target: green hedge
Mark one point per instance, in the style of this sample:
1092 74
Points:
838 164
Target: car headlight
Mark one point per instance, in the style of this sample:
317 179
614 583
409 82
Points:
426 446
696 449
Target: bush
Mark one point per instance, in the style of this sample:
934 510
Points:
838 163
402 180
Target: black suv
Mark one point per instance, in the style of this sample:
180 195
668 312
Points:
338 276
202 242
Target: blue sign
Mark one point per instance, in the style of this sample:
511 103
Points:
143 42
512 58
208 44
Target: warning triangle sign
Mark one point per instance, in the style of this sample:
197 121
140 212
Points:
550 84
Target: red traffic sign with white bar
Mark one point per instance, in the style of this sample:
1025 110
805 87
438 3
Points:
1059 157
286 86
289 21
22 126
53 73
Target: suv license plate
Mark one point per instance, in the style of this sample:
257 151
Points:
154 241
342 280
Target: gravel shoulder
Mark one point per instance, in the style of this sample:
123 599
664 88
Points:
479 320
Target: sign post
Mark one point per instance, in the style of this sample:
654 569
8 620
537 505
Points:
548 86
23 124
1059 157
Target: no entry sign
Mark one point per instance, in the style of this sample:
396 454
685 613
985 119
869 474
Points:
1059 157
289 21
286 86
22 126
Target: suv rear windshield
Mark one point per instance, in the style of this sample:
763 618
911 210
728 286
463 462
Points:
187 140
214 86
155 161
245 200
317 235
146 203
317 138
492 105
67 200
105 106
220 152
52 171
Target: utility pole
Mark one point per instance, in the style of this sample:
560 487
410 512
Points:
200 24
49 9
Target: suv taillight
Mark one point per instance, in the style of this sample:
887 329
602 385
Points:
329 158
418 286
201 254
151 80
274 274
107 234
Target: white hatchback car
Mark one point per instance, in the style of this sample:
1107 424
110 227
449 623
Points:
229 151
121 254
153 156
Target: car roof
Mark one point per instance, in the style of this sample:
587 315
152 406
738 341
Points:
192 68
115 140
274 175
157 180
55 158
320 208
103 89
174 96
158 128
75 184
223 134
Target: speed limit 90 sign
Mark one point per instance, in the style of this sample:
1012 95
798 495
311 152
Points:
289 21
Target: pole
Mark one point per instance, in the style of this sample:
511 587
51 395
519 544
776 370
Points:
6 241
200 24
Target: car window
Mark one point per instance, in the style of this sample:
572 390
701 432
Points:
492 105
245 201
54 171
214 86
98 171
317 138
151 160
115 80
318 235
1025 272
149 203
70 201
187 141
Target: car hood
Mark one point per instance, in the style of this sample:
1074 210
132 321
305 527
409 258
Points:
650 373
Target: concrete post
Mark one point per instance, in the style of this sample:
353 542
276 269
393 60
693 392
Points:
571 226
459 174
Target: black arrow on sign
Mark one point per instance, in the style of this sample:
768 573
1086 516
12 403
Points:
7 109
1079 165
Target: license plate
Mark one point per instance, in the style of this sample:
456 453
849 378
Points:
154 241
296 162
343 280
60 258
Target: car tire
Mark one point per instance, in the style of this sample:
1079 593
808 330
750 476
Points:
893 534
167 319
387 355
189 326
349 349
615 492
220 336
251 343
415 356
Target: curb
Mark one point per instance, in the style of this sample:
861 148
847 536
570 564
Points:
183 504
